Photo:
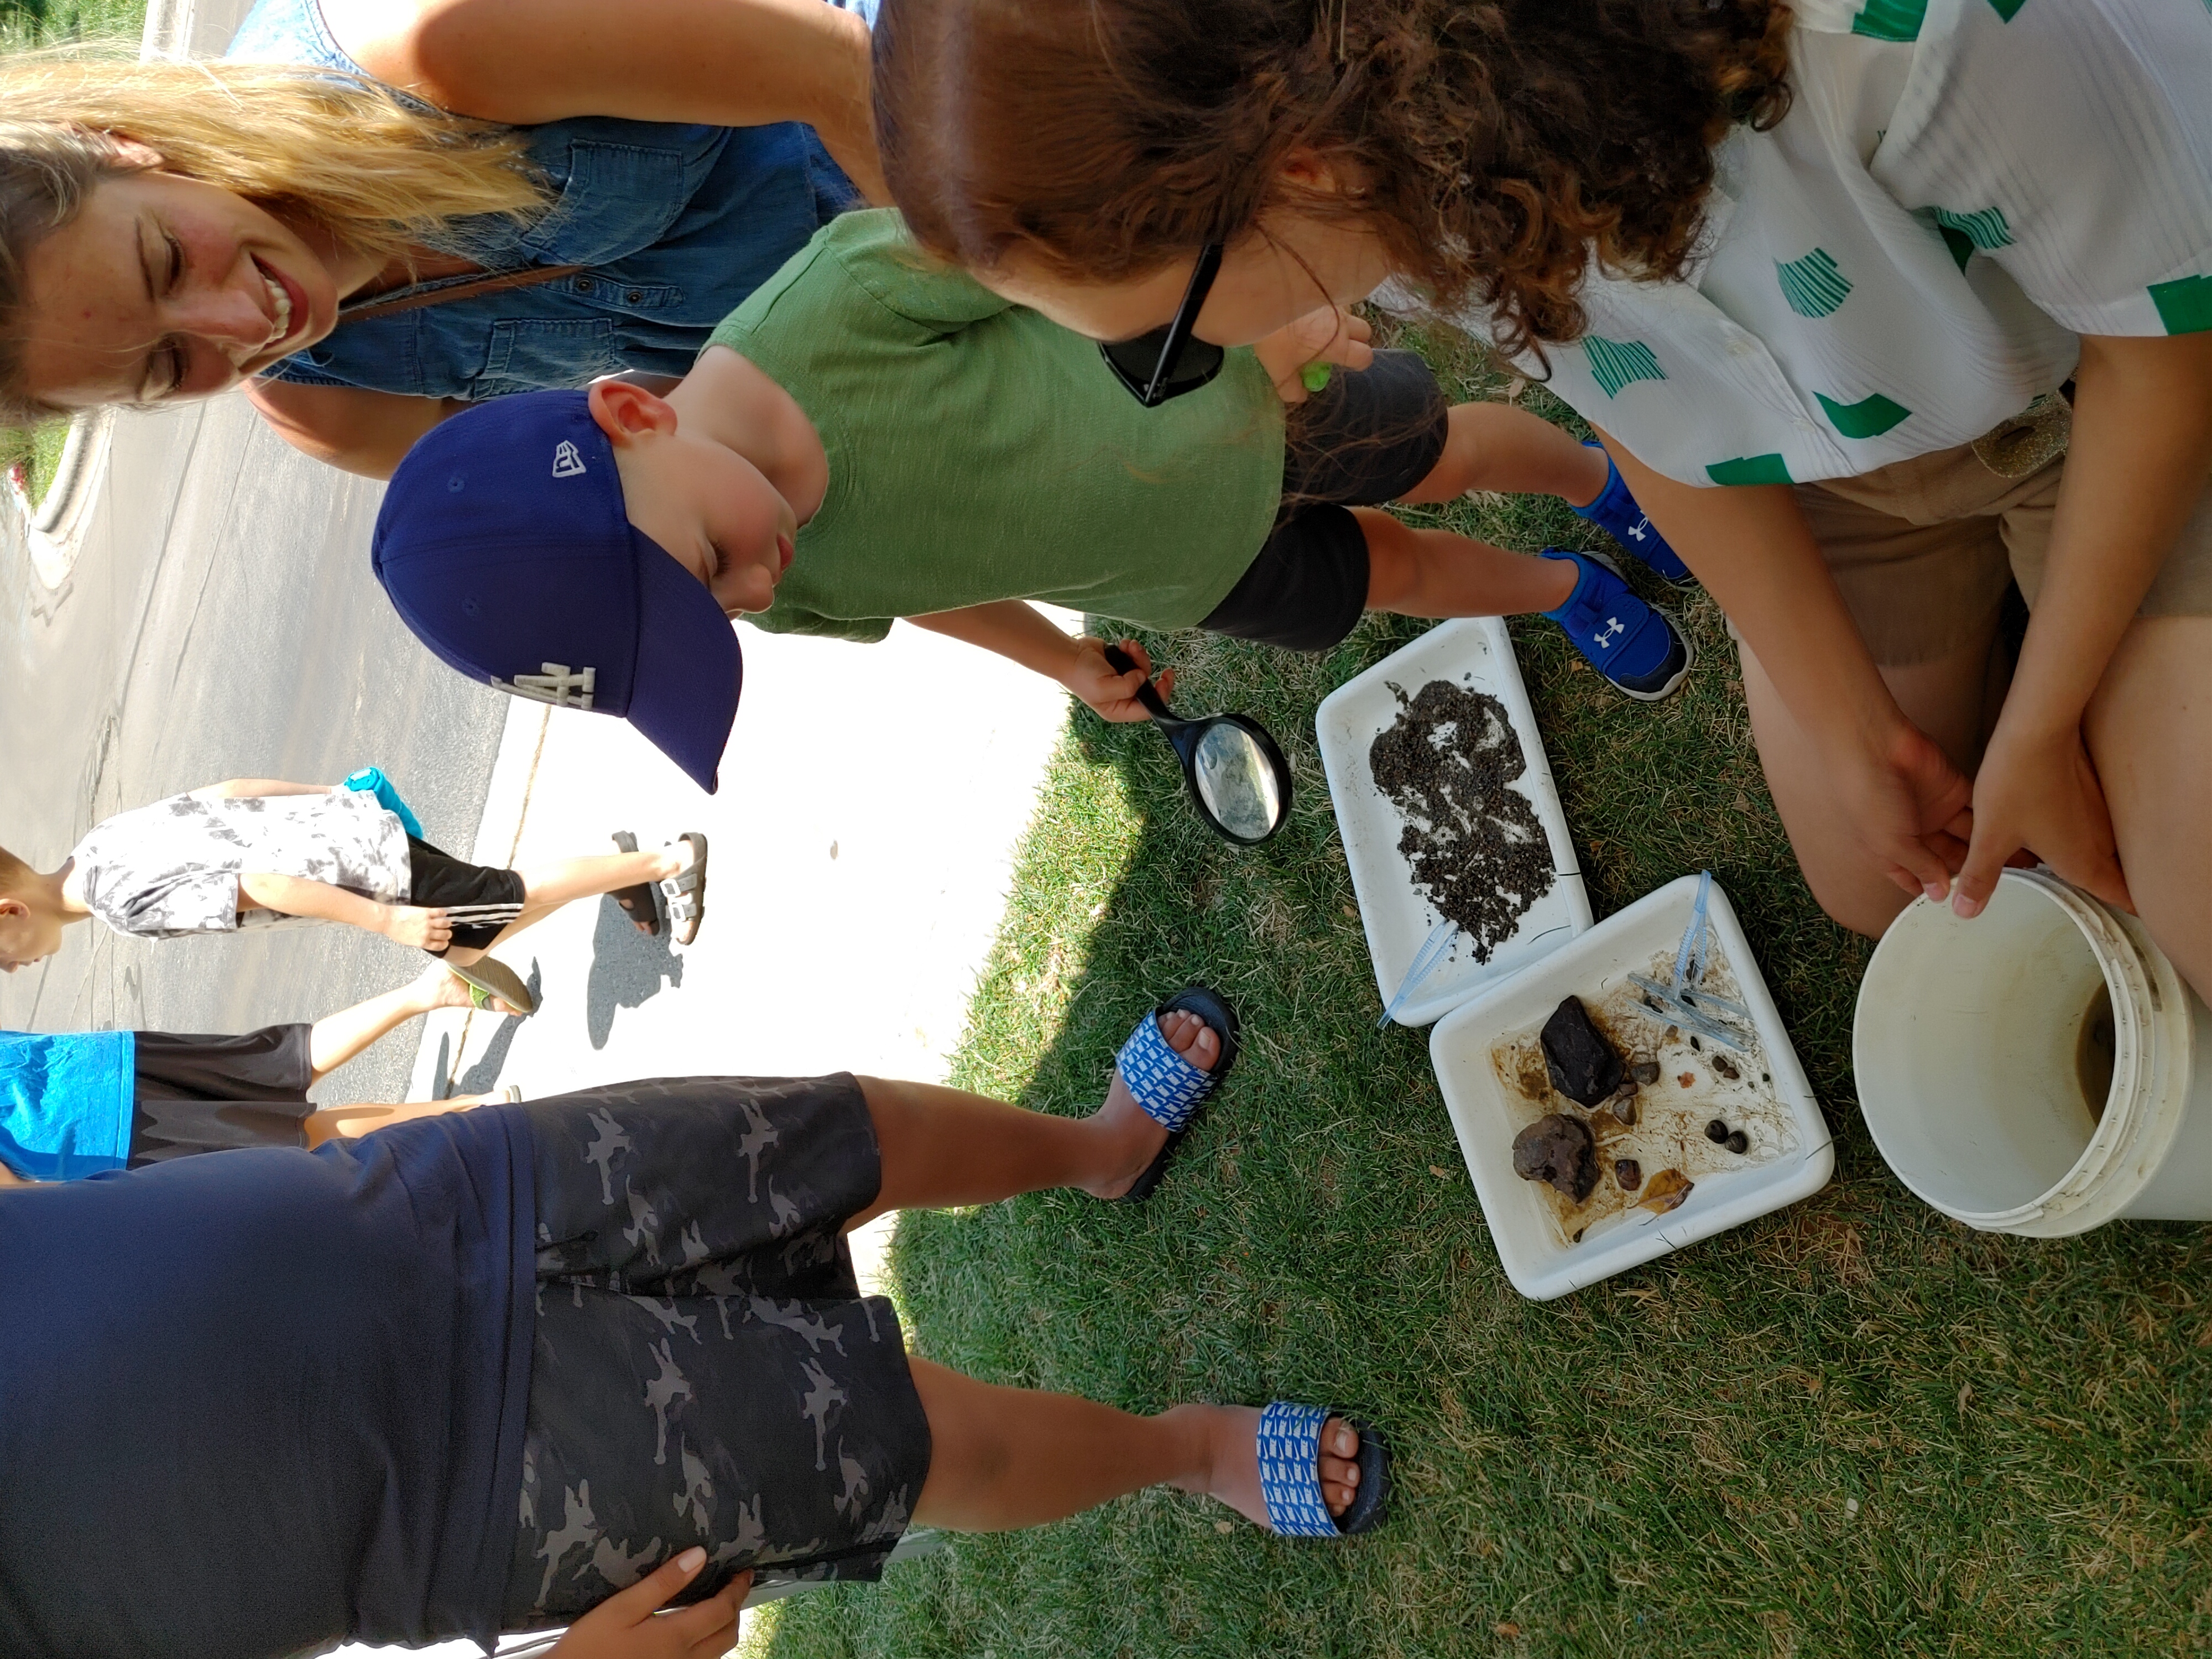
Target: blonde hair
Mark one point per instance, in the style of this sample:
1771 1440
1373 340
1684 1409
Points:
379 171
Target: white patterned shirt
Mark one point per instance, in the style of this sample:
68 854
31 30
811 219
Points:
173 868
1960 189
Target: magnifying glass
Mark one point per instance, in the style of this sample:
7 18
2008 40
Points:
1238 778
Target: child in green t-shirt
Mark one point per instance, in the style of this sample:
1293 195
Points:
872 436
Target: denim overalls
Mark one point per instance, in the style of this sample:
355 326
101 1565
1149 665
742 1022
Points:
675 225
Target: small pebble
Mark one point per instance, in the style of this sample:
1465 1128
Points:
1672 1032
1725 1066
1694 1043
1766 1077
1629 1173
1644 1071
1624 1113
1687 1079
1717 1131
1739 1143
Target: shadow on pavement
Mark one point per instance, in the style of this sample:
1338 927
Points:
628 967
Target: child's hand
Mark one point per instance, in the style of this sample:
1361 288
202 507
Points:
1330 335
1092 678
624 1627
410 924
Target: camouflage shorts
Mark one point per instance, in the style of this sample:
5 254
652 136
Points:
706 1371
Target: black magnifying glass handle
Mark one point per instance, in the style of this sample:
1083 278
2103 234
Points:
1155 705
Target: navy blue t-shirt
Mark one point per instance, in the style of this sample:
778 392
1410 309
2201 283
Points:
254 1402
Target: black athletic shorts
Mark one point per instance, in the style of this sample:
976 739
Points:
205 1094
1364 439
707 1371
483 900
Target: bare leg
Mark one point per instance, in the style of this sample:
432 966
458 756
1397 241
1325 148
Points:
1002 1458
547 887
1437 573
1943 698
941 1147
336 1038
2150 728
342 1122
1495 447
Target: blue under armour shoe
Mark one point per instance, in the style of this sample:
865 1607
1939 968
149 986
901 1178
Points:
1615 513
1639 649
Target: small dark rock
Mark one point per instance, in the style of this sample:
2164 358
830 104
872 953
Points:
1629 1173
1766 1077
1624 1112
1739 1143
1644 1071
1558 1150
1694 1043
1725 1066
1717 1131
1628 1090
1582 1064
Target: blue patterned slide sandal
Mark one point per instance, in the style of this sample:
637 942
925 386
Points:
1169 1088
1290 1474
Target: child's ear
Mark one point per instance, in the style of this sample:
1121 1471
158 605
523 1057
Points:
625 411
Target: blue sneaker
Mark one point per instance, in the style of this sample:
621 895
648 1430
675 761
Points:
1637 649
1615 513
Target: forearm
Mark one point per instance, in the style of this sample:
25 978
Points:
244 788
294 896
2137 464
1015 630
1751 549
721 62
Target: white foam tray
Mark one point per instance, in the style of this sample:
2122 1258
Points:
1474 652
1600 961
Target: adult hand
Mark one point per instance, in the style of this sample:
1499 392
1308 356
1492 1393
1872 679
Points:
1330 335
1909 806
628 1625
1113 694
2040 792
410 924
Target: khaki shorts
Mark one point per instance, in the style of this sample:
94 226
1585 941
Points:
1924 549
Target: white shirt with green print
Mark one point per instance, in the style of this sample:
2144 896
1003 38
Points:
1960 189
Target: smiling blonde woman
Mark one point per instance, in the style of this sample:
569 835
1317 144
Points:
376 213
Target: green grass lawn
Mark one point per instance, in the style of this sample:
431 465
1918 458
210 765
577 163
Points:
1853 1427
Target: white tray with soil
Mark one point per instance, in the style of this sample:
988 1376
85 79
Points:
1446 805
1688 1136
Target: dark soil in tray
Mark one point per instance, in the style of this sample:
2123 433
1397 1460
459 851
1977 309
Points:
1478 850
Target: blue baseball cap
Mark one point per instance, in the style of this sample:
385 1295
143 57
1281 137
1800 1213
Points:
504 545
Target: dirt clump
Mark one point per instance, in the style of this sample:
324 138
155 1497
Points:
1478 851
1558 1150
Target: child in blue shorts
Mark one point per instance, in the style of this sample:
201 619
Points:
73 1103
872 436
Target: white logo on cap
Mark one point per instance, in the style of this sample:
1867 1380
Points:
567 463
560 685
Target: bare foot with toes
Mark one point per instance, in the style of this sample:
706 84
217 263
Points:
1131 1137
1232 1473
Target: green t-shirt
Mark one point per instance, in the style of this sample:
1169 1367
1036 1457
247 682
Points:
978 452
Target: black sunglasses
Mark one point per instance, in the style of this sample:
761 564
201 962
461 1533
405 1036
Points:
1166 362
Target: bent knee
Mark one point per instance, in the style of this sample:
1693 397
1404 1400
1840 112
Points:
1860 898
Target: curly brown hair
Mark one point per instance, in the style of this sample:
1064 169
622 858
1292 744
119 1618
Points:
1500 145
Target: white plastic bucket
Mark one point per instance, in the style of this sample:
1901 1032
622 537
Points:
1969 1045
